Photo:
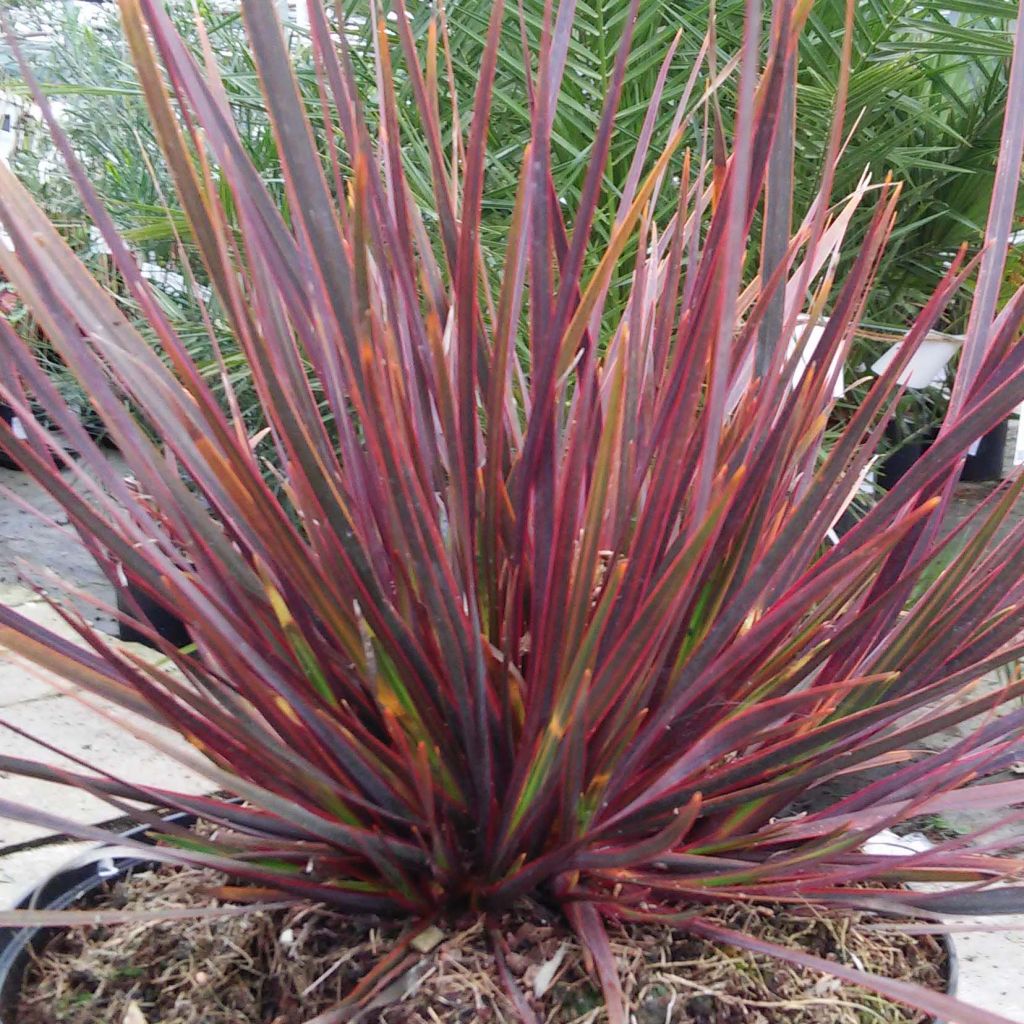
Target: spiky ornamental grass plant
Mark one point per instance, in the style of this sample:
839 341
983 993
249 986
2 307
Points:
569 624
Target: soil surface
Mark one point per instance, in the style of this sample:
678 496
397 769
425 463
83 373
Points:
288 966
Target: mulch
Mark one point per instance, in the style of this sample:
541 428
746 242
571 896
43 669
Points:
288 966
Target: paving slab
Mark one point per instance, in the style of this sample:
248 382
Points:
992 966
21 871
42 613
82 732
14 594
29 700
20 680
29 546
19 683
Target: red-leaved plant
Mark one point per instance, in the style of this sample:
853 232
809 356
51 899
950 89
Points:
550 601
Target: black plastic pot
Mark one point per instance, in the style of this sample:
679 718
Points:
163 621
69 888
987 462
7 461
897 463
845 523
62 891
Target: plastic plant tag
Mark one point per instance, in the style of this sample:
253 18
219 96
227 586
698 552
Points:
928 364
888 844
816 333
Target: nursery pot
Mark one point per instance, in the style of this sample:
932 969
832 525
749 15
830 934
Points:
897 463
62 891
7 414
72 887
164 622
987 461
6 460
985 464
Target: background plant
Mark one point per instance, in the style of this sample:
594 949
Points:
548 605
84 61
927 86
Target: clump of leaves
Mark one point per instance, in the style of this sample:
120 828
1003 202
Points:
542 608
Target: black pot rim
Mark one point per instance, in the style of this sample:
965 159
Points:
59 892
66 887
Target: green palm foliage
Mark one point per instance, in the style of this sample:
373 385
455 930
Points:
927 88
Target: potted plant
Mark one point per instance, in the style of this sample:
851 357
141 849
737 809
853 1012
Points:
16 427
138 605
987 460
916 425
537 637
914 429
911 431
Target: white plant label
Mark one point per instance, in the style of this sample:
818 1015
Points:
927 365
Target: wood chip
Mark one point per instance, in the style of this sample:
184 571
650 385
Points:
133 1014
427 939
542 980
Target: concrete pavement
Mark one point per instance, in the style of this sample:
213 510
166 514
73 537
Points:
29 701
